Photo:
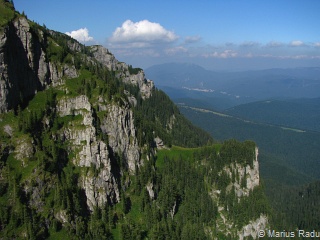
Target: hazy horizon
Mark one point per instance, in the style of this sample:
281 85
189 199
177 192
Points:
217 35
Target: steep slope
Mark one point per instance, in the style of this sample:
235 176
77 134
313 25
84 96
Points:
80 141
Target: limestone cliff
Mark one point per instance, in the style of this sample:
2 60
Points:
244 180
27 67
123 70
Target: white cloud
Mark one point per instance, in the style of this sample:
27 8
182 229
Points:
317 44
225 54
136 52
249 44
143 31
175 50
192 39
82 35
296 43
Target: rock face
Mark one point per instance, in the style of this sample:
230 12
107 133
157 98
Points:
107 59
118 124
246 180
19 64
100 184
248 177
24 65
253 228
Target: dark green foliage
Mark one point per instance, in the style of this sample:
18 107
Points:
295 113
302 211
243 153
158 113
280 150
134 70
7 13
287 159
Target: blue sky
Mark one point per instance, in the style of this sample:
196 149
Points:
219 35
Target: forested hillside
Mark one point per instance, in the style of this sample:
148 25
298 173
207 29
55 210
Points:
289 160
301 114
90 149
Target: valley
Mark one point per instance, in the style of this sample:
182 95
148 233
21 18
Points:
279 114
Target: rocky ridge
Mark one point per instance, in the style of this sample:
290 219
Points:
26 68
23 53
122 70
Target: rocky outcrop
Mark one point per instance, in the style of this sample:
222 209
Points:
24 65
24 149
118 124
99 183
252 229
19 58
248 177
244 179
106 58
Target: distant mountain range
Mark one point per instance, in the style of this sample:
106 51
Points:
234 88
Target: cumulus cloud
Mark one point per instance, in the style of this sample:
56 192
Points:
142 31
296 43
225 54
82 35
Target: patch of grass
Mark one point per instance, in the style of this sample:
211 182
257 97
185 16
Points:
135 211
76 86
174 153
180 152
38 103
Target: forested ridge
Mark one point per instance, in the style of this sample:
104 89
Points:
288 162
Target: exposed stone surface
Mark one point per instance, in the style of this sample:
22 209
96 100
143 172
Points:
253 228
24 149
108 59
247 179
150 190
24 67
118 124
159 143
8 129
99 183
251 175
